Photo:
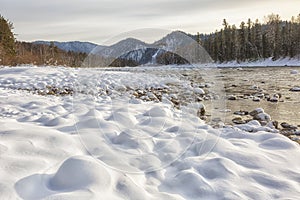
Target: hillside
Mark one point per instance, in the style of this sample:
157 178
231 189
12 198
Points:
75 46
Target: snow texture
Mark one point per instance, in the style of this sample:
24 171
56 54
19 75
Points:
97 147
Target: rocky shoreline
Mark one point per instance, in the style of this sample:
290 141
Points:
265 120
249 95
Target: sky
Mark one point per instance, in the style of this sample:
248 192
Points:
99 20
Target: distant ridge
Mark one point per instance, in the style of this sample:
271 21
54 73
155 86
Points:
174 48
133 52
75 46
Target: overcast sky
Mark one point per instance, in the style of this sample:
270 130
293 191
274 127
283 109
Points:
98 20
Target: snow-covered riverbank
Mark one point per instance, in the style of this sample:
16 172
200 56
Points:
291 62
104 142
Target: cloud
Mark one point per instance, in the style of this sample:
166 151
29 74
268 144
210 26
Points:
57 20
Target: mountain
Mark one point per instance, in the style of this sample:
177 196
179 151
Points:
124 46
75 46
116 53
174 40
133 52
175 48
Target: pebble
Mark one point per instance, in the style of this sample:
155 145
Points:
241 112
238 120
273 99
232 98
294 72
295 89
201 112
288 126
256 99
256 111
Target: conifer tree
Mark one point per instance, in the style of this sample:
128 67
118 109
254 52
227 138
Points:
7 41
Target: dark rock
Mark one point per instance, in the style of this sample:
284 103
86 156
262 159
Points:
275 124
288 126
201 112
260 95
263 123
273 99
203 117
295 89
256 99
232 98
238 120
256 111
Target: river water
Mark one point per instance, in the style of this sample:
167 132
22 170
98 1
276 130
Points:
264 82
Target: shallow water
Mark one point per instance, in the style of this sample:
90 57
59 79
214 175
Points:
246 82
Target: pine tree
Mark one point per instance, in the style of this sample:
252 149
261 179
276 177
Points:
7 41
258 39
242 42
198 38
233 44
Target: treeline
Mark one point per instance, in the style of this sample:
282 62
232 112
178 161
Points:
13 52
42 54
253 40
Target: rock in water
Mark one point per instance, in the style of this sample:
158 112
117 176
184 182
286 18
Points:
238 120
294 71
295 89
232 98
241 112
288 126
256 99
259 115
256 111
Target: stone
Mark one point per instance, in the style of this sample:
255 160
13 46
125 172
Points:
288 126
201 111
238 120
295 89
241 112
275 124
260 95
262 117
256 111
256 99
232 98
294 71
273 99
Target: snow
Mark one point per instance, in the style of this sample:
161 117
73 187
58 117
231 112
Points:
199 91
91 146
269 62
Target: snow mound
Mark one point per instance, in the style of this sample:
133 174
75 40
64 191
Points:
78 173
75 175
